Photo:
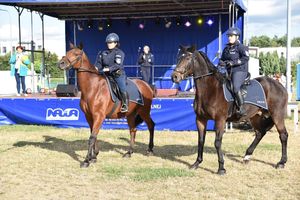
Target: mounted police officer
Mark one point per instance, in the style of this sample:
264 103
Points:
110 62
235 58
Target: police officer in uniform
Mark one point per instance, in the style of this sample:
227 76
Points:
146 60
235 58
110 62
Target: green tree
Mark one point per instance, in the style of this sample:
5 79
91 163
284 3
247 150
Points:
274 63
296 42
4 62
260 41
51 60
282 64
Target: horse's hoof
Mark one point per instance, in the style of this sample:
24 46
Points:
150 153
85 165
94 160
221 172
127 155
279 166
246 161
195 166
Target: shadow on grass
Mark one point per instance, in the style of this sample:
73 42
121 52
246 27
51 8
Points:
168 152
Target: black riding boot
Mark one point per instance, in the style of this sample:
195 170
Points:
240 101
124 107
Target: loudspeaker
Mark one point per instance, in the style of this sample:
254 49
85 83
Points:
65 90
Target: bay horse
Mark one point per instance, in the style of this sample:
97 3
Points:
96 102
210 103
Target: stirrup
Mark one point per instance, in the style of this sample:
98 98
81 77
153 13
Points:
124 108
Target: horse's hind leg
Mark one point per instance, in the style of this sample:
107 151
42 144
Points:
283 136
132 131
261 125
150 124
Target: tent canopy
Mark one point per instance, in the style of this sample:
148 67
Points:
97 9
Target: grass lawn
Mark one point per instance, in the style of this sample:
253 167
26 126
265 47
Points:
39 162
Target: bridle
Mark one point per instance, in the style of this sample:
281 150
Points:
193 64
75 60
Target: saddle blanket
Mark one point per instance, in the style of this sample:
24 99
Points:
255 94
132 90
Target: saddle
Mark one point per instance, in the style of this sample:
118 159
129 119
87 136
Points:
247 82
252 91
131 88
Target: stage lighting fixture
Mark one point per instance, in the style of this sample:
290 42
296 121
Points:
200 20
100 25
187 23
80 25
108 23
90 23
128 21
157 21
168 23
209 22
142 25
178 21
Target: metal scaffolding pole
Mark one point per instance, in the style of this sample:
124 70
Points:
19 10
288 49
32 56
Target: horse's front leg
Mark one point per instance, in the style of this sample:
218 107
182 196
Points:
218 144
201 126
93 148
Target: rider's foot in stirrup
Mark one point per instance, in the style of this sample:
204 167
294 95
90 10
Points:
124 109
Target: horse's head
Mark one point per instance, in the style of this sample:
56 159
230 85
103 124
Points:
73 58
184 66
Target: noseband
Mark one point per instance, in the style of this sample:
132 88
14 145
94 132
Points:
187 69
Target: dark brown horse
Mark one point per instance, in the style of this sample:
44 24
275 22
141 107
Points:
96 102
210 103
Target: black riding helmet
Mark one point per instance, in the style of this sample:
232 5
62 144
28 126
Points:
112 37
233 31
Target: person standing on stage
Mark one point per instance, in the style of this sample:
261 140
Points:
146 60
18 68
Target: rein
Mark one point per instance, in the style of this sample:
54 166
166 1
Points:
81 68
194 77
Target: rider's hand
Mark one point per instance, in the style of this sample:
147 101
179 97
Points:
229 63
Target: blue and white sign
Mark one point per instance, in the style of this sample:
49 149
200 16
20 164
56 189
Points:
168 114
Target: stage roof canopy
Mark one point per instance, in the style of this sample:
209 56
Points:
99 9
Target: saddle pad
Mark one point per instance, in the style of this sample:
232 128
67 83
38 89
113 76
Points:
255 94
132 90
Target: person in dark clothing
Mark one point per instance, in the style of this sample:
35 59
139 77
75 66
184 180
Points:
110 62
235 58
146 60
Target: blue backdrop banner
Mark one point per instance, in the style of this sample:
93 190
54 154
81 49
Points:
168 114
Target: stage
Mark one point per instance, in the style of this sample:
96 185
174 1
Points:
174 114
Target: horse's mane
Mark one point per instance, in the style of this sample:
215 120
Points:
211 66
207 61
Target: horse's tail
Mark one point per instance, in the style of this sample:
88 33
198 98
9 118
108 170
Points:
138 120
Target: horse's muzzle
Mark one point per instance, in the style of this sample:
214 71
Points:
176 77
62 64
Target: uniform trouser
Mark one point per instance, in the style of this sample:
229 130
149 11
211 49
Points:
121 81
20 80
238 79
146 73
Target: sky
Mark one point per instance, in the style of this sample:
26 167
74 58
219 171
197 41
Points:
264 17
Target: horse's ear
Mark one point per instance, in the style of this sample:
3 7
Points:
80 46
71 45
192 49
182 48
